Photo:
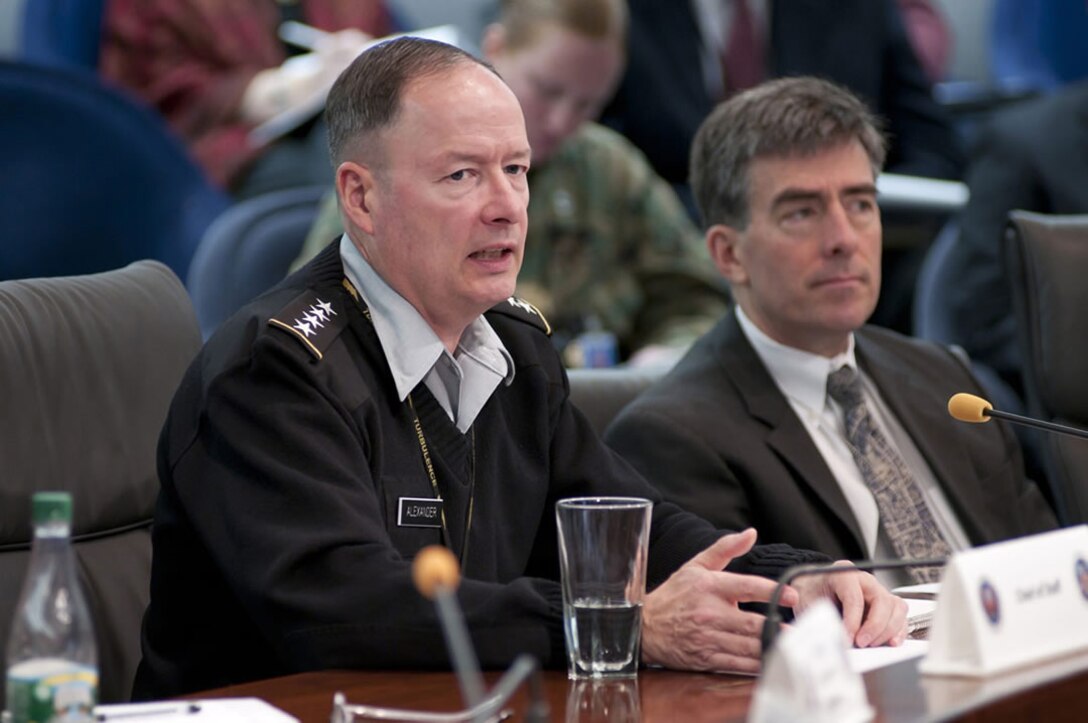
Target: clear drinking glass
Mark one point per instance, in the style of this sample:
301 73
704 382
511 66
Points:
603 544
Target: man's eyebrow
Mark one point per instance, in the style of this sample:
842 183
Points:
481 158
867 189
791 195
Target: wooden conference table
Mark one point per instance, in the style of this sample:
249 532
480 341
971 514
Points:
1055 691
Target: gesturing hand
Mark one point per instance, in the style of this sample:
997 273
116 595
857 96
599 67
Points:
692 621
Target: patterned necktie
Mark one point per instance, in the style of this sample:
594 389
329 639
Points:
742 59
904 515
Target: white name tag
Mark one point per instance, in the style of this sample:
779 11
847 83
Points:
1009 604
808 677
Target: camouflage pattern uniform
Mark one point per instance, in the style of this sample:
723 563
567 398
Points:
609 247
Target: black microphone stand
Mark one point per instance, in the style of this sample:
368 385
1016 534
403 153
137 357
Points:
1037 423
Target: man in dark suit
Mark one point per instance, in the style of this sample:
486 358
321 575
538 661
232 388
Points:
791 415
673 78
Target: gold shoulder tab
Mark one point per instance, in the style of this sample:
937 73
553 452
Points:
313 320
522 310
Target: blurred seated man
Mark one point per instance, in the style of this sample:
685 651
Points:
216 70
792 415
687 55
397 366
610 249
1029 157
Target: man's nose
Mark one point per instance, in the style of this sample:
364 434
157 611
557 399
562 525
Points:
507 201
840 232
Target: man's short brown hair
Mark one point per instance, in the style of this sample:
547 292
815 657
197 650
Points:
780 118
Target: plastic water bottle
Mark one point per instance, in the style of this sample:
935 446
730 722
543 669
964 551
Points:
52 672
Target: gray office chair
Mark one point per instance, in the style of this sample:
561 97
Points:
1047 257
248 249
601 393
90 364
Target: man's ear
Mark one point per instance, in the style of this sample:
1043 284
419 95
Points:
723 242
494 41
356 186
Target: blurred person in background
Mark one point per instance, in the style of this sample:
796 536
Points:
1032 157
216 70
687 56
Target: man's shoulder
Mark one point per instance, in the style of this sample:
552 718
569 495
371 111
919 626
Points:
522 311
596 151
308 310
694 385
905 350
313 318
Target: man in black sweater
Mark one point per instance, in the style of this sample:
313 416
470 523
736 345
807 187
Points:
318 422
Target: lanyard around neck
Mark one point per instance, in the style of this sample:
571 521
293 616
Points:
426 454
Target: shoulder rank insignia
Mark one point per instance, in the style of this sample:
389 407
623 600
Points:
313 320
523 311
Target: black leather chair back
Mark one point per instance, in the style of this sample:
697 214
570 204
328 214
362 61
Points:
1047 258
90 364
601 393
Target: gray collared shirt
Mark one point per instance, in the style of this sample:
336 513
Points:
462 382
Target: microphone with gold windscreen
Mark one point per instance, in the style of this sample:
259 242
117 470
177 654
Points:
436 575
970 408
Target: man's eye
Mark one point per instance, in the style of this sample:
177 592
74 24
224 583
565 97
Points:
800 214
515 169
457 175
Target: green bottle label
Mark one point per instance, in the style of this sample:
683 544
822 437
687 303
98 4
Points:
49 689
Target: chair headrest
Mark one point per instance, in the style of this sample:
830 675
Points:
1048 261
90 366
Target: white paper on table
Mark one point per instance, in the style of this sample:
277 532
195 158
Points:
923 591
213 710
862 660
919 614
290 118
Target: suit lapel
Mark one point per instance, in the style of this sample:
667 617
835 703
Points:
786 434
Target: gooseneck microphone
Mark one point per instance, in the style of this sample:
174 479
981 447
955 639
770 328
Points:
976 410
436 574
773 622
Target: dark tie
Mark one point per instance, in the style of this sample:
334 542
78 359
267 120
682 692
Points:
742 61
904 515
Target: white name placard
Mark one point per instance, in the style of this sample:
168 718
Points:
808 677
1010 604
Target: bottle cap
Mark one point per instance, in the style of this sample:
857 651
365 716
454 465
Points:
52 507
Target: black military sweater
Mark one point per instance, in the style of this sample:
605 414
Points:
283 463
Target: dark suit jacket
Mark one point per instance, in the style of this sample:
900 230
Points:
861 44
718 437
1032 157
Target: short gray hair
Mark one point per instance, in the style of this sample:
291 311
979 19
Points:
779 118
367 95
